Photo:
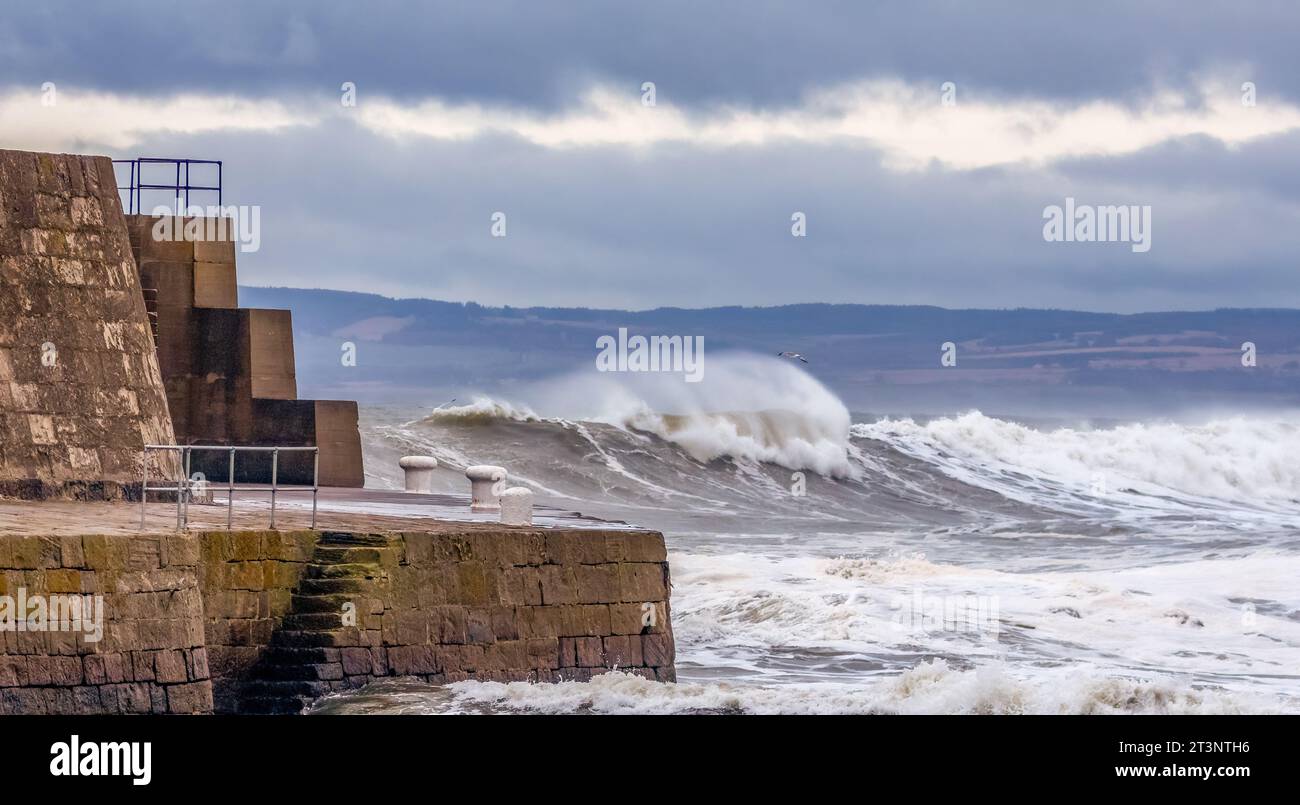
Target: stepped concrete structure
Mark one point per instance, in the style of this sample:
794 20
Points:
229 371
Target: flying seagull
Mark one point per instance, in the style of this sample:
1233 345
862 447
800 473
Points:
791 355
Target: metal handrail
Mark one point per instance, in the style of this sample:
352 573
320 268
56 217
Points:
185 485
137 183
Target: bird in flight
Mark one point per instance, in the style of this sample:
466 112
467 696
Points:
791 355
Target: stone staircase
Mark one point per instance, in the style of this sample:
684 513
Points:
303 661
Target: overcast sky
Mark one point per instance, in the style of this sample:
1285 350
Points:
835 110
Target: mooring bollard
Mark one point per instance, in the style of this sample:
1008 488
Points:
419 472
517 506
483 490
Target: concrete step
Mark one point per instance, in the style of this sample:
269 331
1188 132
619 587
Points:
348 538
333 602
346 555
342 571
322 672
310 587
285 689
292 638
284 655
312 621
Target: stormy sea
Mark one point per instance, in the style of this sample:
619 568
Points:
831 561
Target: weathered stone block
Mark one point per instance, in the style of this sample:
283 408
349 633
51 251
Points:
598 584
575 547
13 671
407 660
543 652
66 671
641 582
623 651
450 624
169 667
478 626
189 698
628 619
657 650
357 661
559 585
541 621
505 623
590 652
93 670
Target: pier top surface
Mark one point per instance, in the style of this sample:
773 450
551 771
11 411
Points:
338 509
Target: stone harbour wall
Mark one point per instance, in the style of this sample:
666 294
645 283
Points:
151 656
267 621
543 606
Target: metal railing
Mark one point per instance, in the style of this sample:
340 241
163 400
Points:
185 484
136 182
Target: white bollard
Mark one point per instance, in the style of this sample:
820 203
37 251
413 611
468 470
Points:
419 472
517 506
483 490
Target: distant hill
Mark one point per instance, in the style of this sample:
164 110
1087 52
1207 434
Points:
883 358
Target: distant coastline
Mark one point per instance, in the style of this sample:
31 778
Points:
1021 362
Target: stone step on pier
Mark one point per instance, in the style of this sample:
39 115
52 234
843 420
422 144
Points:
304 660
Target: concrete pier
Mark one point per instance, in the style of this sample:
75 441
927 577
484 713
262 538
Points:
253 620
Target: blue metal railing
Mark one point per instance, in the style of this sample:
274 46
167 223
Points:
182 185
186 484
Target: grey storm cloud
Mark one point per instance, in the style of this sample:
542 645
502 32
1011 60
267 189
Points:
753 52
687 223
344 208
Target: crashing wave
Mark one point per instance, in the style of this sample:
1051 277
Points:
481 411
750 408
1236 459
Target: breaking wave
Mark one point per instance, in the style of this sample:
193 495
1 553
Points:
481 411
752 409
620 446
1237 459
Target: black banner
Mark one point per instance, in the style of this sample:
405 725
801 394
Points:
381 754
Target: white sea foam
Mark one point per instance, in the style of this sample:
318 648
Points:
930 687
1222 622
1236 459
